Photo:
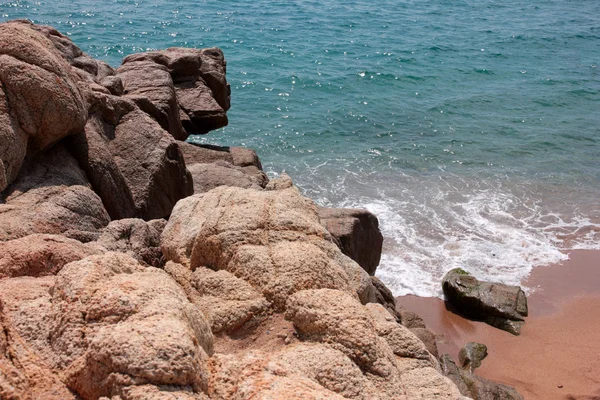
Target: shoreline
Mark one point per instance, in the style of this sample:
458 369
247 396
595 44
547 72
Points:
557 355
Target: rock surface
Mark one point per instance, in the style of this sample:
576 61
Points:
357 234
499 305
40 255
40 102
272 239
474 386
135 166
135 237
51 195
197 83
213 166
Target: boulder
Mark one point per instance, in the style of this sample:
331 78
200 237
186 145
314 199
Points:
471 355
385 297
119 324
40 255
400 339
229 303
254 377
395 362
147 79
357 234
209 176
474 386
246 160
319 370
497 304
271 239
410 319
134 165
51 195
40 102
202 92
135 237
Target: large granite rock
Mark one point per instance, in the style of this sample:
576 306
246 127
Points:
51 195
272 239
499 305
357 234
134 165
197 79
209 176
150 85
40 102
229 303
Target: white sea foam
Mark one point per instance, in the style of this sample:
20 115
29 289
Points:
498 231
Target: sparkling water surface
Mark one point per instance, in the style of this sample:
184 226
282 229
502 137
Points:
471 128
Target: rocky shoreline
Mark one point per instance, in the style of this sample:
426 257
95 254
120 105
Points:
134 265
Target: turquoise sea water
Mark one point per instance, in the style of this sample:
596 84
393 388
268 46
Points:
471 128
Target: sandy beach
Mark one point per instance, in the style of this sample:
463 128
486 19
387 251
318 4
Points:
557 355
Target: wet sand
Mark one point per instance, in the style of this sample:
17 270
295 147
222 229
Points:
557 355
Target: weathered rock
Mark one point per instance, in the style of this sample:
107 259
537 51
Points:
385 297
474 386
499 305
40 102
246 159
428 338
13 143
400 339
471 355
51 195
426 383
39 85
114 84
333 317
134 165
121 325
357 234
199 79
271 239
321 370
209 176
229 303
40 255
253 377
135 237
26 361
410 319
146 79
91 150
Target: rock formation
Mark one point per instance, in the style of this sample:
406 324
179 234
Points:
116 283
499 305
471 385
357 234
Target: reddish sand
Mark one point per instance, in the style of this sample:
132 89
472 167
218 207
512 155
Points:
557 355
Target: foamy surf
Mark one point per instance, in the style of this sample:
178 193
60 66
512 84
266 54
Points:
498 230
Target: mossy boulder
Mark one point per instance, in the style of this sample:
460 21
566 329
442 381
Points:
502 306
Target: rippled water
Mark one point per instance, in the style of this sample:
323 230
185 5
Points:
471 128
